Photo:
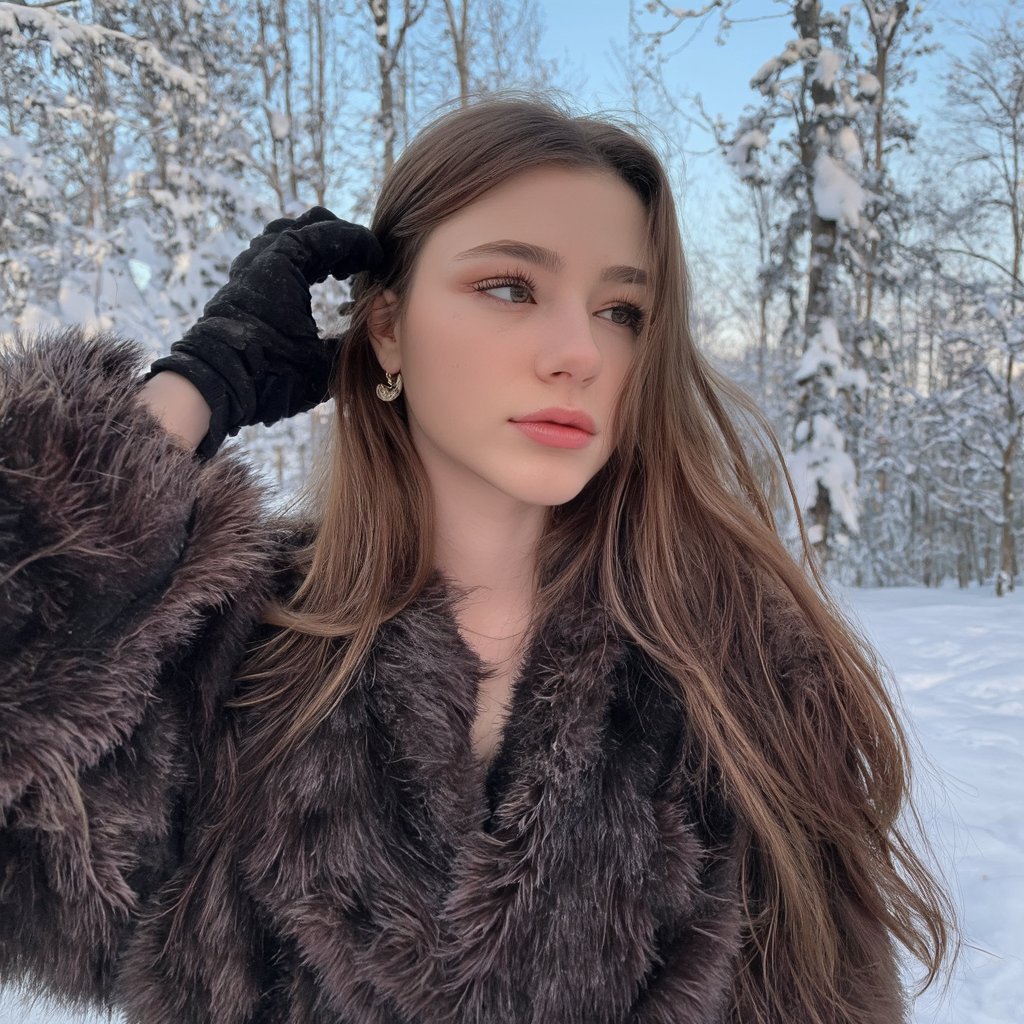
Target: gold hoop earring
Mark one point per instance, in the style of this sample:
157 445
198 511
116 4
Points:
390 391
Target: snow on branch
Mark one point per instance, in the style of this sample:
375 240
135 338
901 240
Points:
824 357
838 196
67 39
868 85
827 68
796 50
821 461
740 154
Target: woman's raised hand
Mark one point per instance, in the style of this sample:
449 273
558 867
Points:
255 354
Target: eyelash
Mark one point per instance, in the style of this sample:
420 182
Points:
514 278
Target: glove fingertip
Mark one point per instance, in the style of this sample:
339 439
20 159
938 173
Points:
278 225
317 213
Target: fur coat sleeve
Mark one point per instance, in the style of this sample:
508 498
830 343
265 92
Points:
119 550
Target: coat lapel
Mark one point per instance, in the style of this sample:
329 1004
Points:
419 888
548 911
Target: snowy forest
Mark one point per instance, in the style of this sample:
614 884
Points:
873 305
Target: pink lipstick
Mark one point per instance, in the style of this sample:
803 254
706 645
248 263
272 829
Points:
558 427
554 435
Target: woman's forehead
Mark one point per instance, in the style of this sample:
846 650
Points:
547 216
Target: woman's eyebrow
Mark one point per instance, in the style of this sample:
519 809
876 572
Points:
623 274
545 258
549 260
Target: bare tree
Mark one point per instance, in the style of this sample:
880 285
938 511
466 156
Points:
457 16
272 22
885 20
316 97
389 48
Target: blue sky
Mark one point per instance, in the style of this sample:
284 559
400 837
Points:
590 32
593 31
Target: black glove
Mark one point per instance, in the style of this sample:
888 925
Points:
255 354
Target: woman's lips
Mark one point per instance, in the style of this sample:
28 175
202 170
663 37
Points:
554 435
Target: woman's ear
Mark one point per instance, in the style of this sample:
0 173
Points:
382 327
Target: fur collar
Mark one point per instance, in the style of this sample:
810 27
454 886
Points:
417 887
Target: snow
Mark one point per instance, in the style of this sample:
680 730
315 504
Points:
881 18
280 125
823 460
68 39
868 85
823 351
20 169
849 146
741 151
35 318
838 195
796 50
958 659
827 68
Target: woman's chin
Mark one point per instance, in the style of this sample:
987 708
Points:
548 495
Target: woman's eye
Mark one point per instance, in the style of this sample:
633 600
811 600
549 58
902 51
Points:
512 292
626 316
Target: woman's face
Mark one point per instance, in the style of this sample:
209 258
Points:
527 299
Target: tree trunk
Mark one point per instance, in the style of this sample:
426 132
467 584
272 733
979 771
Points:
269 78
458 29
283 34
1008 542
820 269
385 64
884 32
317 58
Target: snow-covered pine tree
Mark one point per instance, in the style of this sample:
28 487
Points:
803 91
60 186
132 156
827 219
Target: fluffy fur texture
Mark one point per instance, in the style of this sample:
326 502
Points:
385 877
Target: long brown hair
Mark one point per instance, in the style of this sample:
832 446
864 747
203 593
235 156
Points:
677 536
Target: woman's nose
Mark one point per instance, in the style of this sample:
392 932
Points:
569 345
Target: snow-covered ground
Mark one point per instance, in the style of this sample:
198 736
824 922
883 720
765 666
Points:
959 659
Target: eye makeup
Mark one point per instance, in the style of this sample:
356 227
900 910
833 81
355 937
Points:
635 316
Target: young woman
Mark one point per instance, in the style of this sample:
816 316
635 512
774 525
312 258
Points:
526 714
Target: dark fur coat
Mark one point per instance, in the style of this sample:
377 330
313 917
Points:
384 877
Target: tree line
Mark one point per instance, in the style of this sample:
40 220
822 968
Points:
880 295
876 283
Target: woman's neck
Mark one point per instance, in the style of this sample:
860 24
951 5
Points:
494 557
